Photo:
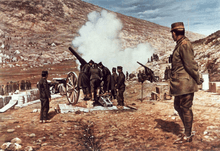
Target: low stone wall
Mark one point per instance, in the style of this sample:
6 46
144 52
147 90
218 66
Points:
22 97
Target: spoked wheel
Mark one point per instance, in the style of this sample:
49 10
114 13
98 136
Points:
71 92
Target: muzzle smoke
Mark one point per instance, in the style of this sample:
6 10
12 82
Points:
99 40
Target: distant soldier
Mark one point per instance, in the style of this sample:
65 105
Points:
14 86
22 85
140 77
29 84
45 97
106 78
26 85
10 87
84 80
120 86
126 75
114 81
185 79
166 74
7 88
18 85
2 90
95 80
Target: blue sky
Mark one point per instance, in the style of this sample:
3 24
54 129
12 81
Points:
202 16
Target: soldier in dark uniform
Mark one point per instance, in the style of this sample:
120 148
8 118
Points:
7 88
26 85
120 86
10 87
114 81
18 85
184 79
140 76
106 78
84 80
95 80
45 97
2 90
22 85
126 75
166 74
14 86
29 82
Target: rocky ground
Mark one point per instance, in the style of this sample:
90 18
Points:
153 126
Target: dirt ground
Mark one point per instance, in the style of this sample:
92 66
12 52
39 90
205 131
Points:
153 126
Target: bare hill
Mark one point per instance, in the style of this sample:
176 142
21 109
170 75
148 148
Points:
207 53
38 33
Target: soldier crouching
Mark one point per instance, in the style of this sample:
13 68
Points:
45 97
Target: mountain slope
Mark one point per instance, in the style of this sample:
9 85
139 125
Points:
38 33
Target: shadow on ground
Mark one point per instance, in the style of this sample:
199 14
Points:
168 126
51 114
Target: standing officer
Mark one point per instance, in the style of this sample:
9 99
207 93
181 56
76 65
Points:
106 78
184 79
120 86
45 97
114 81
95 80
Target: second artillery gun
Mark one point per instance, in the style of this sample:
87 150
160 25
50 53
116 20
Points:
149 74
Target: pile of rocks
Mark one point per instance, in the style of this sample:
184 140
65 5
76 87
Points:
15 144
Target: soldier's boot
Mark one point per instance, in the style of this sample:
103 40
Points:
184 139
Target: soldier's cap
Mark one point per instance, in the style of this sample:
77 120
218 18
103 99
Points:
91 61
177 26
113 69
119 67
44 72
100 64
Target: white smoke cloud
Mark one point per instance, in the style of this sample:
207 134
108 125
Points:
99 40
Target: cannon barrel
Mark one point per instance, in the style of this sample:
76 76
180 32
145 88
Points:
81 60
148 71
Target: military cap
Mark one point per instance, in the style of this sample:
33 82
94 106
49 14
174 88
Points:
91 61
100 64
177 26
113 69
119 67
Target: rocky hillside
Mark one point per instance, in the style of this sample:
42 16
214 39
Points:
38 32
208 54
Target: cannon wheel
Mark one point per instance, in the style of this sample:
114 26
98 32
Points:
71 92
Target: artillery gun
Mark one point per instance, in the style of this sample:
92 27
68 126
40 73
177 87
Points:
68 85
149 74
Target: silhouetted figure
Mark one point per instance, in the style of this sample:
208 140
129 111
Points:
45 97
106 78
114 81
120 86
95 80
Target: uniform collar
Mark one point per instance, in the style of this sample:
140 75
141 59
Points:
180 40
